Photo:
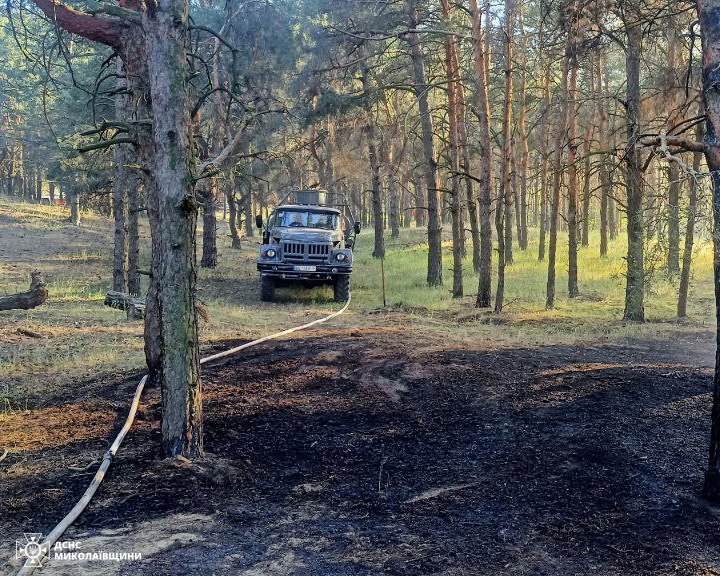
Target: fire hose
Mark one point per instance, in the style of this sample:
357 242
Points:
42 550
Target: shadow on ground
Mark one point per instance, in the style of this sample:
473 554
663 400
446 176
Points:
373 453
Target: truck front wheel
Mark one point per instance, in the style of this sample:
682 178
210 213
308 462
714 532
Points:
267 289
341 288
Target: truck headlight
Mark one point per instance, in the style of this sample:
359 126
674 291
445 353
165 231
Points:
270 253
341 257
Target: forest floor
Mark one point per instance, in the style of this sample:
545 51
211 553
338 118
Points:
399 440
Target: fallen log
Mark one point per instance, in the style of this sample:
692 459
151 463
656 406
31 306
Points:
36 295
135 307
30 333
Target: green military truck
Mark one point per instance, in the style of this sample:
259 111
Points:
308 241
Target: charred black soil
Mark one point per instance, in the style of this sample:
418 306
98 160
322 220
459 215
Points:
380 453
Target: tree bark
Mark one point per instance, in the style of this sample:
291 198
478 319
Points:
557 176
394 203
673 219
421 88
122 155
465 168
635 278
709 15
74 201
523 148
229 186
133 238
690 227
166 28
572 216
505 162
458 231
482 105
585 216
377 196
248 210
208 195
545 153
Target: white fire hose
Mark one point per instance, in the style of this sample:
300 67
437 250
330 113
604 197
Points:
39 552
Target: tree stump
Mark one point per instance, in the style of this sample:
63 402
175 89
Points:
36 295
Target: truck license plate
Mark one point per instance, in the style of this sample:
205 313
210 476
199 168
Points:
306 268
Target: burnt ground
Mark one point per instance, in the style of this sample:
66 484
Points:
380 453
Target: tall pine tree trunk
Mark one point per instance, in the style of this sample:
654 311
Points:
458 232
123 181
485 186
421 88
557 181
545 153
635 278
524 151
377 196
506 161
572 216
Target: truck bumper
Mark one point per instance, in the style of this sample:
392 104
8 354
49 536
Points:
321 273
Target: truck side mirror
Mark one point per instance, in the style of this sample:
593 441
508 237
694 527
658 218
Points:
258 221
357 227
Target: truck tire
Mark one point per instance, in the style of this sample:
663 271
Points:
267 289
341 288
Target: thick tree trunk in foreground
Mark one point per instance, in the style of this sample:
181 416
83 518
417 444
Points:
709 14
421 88
35 295
166 33
482 106
635 278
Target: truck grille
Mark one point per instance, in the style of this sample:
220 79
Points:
297 252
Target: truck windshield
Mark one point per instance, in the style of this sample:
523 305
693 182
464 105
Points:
306 219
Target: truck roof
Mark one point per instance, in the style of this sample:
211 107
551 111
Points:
308 207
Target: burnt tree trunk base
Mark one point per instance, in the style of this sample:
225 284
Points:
36 295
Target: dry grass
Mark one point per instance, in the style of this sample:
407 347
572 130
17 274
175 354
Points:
83 340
